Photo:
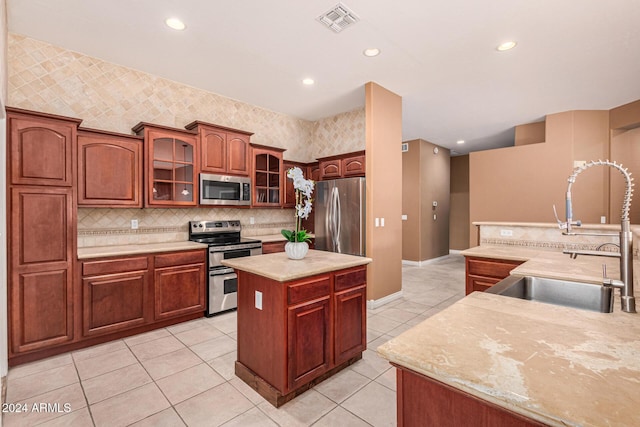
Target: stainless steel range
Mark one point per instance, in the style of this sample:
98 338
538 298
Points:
223 238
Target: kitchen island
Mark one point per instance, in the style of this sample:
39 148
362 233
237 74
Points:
299 321
491 358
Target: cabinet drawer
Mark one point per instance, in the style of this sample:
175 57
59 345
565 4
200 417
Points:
350 279
487 267
179 258
111 266
308 290
273 247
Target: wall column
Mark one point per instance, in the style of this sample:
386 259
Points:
383 110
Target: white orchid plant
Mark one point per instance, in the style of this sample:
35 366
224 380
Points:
304 189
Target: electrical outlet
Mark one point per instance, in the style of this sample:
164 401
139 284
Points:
404 217
435 217
377 221
252 220
381 222
506 233
603 220
134 224
259 300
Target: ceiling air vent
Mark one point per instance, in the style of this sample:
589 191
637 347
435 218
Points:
338 18
405 147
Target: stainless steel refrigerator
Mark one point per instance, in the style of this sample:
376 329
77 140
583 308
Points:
340 216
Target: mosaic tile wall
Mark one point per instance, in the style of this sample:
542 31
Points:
339 134
44 77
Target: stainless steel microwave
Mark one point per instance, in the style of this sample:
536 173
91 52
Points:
224 190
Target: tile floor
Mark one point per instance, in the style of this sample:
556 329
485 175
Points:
183 375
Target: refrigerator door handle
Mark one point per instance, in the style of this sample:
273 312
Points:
334 224
338 222
329 217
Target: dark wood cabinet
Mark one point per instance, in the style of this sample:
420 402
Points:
423 401
350 301
40 148
179 284
482 273
109 169
223 150
170 165
342 166
273 247
115 295
289 199
41 231
305 330
267 176
309 339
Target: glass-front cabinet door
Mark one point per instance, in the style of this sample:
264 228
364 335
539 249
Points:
171 179
267 167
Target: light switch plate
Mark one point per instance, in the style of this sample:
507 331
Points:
404 217
134 224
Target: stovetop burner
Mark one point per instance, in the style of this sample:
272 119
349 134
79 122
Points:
217 233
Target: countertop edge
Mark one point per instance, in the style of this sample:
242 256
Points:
125 250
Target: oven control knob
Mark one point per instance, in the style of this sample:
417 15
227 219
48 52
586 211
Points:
200 225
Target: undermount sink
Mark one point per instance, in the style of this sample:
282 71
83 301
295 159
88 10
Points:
587 296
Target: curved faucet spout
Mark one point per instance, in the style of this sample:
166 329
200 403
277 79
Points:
626 239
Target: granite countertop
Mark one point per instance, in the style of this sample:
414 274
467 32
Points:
124 250
558 365
278 266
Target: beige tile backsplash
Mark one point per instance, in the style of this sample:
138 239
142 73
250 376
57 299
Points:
47 78
550 237
106 227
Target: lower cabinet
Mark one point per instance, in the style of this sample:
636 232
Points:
115 295
309 340
482 273
110 298
350 319
178 284
300 332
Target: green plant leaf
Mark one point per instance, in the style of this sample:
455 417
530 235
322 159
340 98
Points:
289 235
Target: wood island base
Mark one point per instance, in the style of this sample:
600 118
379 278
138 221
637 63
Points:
273 395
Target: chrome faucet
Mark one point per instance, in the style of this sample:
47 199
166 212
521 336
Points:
625 284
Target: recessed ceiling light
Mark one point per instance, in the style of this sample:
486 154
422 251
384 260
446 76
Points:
308 81
461 141
175 23
374 51
507 45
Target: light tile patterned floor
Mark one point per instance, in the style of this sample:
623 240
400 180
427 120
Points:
183 375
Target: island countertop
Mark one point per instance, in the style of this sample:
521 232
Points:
558 365
279 267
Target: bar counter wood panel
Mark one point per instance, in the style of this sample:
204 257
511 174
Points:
423 401
306 331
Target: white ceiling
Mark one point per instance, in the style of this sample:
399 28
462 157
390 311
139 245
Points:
439 56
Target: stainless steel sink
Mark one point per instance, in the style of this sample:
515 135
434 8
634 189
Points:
587 296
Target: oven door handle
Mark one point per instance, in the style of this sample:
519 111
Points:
224 277
222 271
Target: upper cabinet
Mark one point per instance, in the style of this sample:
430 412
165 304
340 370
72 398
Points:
170 166
109 169
40 148
223 150
342 166
267 175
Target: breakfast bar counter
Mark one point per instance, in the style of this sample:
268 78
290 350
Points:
299 321
525 362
